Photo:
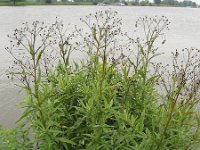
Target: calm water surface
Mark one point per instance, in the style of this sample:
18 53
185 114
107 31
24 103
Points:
184 32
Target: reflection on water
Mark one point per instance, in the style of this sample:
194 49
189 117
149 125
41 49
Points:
184 32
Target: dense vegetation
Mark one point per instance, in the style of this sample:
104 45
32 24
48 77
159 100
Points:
117 97
172 3
47 2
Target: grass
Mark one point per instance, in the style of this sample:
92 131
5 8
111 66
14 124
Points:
113 99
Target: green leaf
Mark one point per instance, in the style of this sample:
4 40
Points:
39 76
39 56
64 140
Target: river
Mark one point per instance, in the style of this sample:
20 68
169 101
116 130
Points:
184 32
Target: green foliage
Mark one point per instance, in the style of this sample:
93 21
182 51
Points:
111 100
7 139
157 2
24 3
179 4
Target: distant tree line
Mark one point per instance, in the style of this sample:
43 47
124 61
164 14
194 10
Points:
185 3
175 3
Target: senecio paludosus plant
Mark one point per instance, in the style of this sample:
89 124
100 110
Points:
117 97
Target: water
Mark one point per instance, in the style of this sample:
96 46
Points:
184 32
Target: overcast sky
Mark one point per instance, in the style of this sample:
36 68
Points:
197 1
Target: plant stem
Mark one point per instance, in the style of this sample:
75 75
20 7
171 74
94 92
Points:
167 125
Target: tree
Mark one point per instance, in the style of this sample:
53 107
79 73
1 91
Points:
48 1
157 2
194 4
144 3
168 2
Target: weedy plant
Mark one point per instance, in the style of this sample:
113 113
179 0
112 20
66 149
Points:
111 100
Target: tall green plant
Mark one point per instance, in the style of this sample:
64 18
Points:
111 100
